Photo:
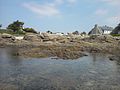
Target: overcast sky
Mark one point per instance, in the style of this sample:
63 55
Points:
60 15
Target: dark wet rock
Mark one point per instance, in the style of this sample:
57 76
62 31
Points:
66 54
15 54
56 58
95 50
53 51
114 58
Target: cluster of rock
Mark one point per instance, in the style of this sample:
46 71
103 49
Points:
46 37
32 38
102 39
36 39
66 46
6 38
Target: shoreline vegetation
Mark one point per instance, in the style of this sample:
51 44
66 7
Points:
29 43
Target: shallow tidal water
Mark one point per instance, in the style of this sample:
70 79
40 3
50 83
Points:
93 72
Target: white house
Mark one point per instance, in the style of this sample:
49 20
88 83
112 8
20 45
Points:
98 30
106 29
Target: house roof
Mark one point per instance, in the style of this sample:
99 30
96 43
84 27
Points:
116 30
96 30
106 28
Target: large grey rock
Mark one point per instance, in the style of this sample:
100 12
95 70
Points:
45 36
32 38
51 37
113 57
7 36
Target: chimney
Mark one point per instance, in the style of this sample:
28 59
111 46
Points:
96 25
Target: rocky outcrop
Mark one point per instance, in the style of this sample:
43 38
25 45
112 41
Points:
52 37
32 38
114 58
66 52
48 45
47 37
5 35
6 38
101 39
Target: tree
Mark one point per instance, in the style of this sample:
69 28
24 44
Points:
30 30
16 26
0 26
49 32
83 33
75 33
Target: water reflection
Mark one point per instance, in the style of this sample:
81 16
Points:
94 72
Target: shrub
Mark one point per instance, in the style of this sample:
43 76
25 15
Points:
115 35
9 31
31 30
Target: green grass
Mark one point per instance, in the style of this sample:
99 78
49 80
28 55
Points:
116 35
8 31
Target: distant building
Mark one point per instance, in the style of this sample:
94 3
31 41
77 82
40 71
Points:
116 30
106 29
98 30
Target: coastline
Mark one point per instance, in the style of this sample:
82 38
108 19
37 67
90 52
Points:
72 48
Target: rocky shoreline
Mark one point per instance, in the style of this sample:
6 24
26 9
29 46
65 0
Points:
64 47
